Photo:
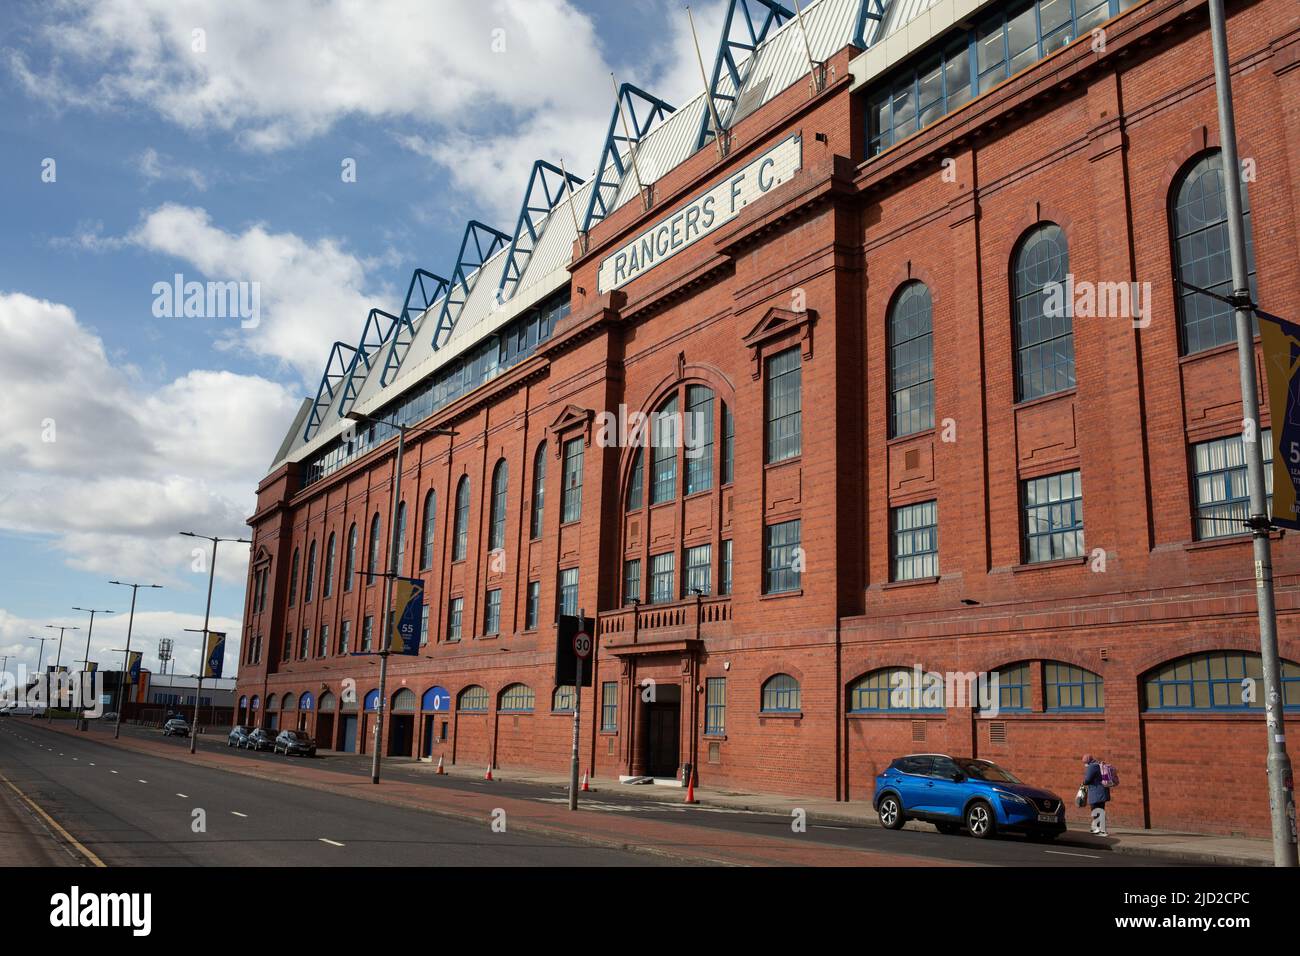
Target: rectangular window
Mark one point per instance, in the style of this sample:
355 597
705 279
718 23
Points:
572 505
914 540
532 607
304 644
665 439
569 592
784 406
368 633
424 625
728 446
662 588
1222 498
609 706
345 638
699 567
1053 516
492 616
631 580
323 641
635 485
699 435
724 568
454 612
715 706
287 651
781 568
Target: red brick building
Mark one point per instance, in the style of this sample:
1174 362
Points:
900 453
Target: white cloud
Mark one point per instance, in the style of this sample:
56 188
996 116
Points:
108 470
155 167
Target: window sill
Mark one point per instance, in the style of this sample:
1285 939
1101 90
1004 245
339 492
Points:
781 714
911 436
709 736
605 733
1209 353
1043 399
793 459
1227 540
914 714
1058 563
778 595
1210 714
913 582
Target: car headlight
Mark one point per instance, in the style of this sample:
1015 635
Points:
1013 797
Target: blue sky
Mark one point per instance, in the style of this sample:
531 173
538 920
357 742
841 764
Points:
206 137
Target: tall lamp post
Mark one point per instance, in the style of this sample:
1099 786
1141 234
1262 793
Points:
58 657
388 624
207 612
1280 796
40 659
126 658
83 723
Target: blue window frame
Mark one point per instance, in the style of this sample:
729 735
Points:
562 699
1066 687
698 438
1217 680
782 567
492 614
715 706
890 689
914 541
1222 499
455 613
473 699
518 698
911 361
609 706
1013 687
781 694
1044 343
1053 517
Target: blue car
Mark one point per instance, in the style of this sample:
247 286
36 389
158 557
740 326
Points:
962 793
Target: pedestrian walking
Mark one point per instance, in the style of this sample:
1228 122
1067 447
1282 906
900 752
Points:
1098 779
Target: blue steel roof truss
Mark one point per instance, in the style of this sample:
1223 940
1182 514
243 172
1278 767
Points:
486 242
542 195
868 10
750 39
336 368
373 337
605 189
425 289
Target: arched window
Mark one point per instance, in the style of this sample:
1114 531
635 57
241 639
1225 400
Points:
293 578
1216 680
497 523
1067 687
539 492
1043 326
460 530
911 361
426 531
350 562
473 698
1013 687
271 702
517 697
328 702
289 702
665 437
636 483
780 694
309 586
401 537
404 701
372 559
329 566
1198 221
698 438
891 689
562 699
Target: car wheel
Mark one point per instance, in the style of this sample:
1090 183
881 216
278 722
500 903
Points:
890 812
948 829
979 820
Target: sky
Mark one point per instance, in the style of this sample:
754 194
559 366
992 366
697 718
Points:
317 152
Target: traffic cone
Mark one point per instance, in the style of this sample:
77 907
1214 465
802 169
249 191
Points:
488 775
690 787
585 788
441 772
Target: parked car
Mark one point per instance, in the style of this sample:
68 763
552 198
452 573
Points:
110 715
238 734
177 726
295 742
964 793
260 739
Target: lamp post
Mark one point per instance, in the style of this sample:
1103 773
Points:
126 658
40 660
387 625
1281 799
207 612
83 723
58 657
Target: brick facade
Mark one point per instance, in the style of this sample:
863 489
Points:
1090 141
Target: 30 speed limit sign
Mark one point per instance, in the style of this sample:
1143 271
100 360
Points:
582 645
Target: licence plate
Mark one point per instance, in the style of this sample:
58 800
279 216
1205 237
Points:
1047 818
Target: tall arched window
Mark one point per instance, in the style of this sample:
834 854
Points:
1043 328
911 361
497 524
539 492
401 537
372 559
460 529
350 562
665 438
293 578
1198 220
329 567
636 483
309 586
698 438
426 531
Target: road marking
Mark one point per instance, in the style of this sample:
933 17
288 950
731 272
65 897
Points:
142 781
114 771
823 826
330 842
183 796
1086 856
238 814
94 860
92 763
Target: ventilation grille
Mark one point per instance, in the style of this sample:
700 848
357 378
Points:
918 731
609 749
997 732
911 459
715 753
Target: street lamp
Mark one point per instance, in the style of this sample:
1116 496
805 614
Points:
58 658
126 659
83 723
386 627
207 611
40 659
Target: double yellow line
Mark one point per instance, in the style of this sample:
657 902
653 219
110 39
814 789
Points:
54 825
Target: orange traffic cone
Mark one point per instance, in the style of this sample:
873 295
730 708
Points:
488 775
690 787
441 772
585 788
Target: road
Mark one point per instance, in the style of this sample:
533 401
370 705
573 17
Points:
253 821
132 809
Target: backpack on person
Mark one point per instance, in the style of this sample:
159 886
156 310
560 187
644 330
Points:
1109 776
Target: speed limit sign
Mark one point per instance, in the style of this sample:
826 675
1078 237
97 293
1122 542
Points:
582 645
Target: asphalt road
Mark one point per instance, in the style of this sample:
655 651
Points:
927 844
132 809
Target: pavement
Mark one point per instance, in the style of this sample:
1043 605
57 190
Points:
724 827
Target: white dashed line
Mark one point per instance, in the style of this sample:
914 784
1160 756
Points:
330 842
142 781
238 814
183 796
1086 856
114 771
